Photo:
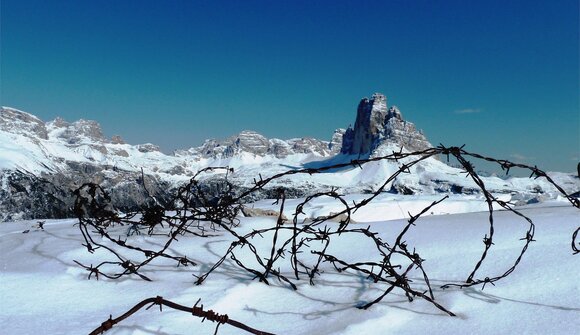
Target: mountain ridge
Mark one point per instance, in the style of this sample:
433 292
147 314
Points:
41 162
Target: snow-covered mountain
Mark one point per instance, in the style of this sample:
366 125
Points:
41 162
251 142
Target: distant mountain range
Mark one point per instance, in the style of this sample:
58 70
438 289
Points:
41 162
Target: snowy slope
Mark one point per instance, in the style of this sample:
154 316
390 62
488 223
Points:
42 291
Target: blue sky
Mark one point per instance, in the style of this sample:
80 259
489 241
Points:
499 76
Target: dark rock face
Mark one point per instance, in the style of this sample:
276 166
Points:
369 124
375 125
31 197
347 141
216 187
51 196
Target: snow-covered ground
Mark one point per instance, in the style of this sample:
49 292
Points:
42 291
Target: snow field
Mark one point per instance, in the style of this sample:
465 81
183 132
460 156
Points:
42 291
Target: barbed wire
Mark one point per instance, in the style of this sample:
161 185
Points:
196 310
197 212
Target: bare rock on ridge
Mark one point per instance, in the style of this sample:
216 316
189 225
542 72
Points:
78 132
376 125
18 122
254 143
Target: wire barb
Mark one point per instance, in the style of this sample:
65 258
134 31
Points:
301 243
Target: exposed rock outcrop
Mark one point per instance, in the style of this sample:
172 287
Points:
21 123
25 196
81 131
376 125
308 145
148 147
117 139
254 143
335 144
404 133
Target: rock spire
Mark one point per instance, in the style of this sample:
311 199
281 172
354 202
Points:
376 125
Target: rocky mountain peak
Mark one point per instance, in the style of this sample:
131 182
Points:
18 122
336 141
251 142
59 123
375 125
77 132
370 119
379 101
246 141
117 139
394 112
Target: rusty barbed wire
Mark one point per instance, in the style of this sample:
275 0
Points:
197 212
196 310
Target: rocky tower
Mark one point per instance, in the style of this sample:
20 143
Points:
368 126
375 125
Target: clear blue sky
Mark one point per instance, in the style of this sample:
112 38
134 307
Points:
499 76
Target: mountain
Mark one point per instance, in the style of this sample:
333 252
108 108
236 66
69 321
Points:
251 142
42 162
376 125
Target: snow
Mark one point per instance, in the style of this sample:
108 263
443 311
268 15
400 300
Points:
43 291
20 152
